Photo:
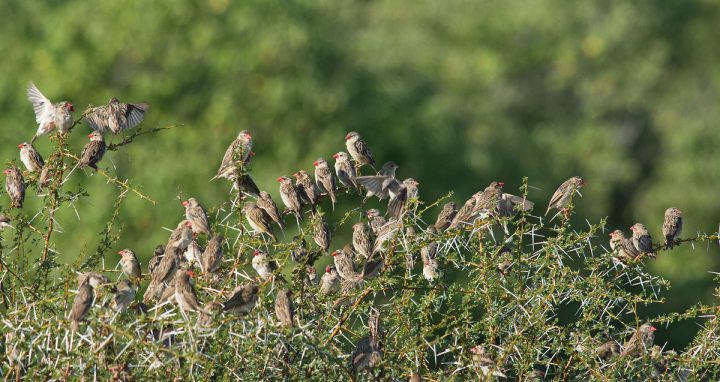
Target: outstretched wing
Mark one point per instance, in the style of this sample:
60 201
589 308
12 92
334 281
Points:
41 104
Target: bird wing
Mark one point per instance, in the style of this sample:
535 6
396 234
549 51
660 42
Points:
135 112
97 118
249 185
556 197
509 201
374 184
91 151
364 150
397 203
41 104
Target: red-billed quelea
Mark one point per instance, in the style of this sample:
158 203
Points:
307 190
193 253
284 310
124 295
116 116
129 264
429 251
446 216
358 149
290 196
258 220
15 186
562 196
330 280
239 150
431 270
156 258
488 201
399 197
211 259
623 246
375 219
608 350
641 341
642 240
93 151
81 305
464 216
321 233
30 157
243 299
481 360
361 240
49 116
325 180
195 213
310 275
345 170
672 226
182 236
262 265
185 293
345 267
369 351
95 279
380 185
266 204
386 233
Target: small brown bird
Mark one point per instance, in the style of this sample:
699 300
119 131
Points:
386 233
375 219
289 196
129 264
672 226
81 305
243 299
488 366
258 219
330 280
166 268
4 222
299 249
284 310
266 204
399 196
239 150
182 236
487 202
156 258
15 186
321 233
49 116
429 251
211 259
446 216
345 171
345 267
607 350
325 180
310 276
641 239
383 184
95 279
307 189
193 253
195 213
93 151
262 265
247 186
361 240
623 246
30 157
185 294
124 295
45 178
562 196
509 205
465 214
358 149
431 270
116 116
641 341
369 351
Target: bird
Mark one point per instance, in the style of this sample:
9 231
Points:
182 236
330 280
623 246
405 191
672 226
375 219
607 350
49 116
247 185
299 249
193 253
415 377
129 264
321 233
95 279
369 350
266 204
162 275
211 258
508 205
15 186
45 178
4 222
487 201
116 116
325 180
284 310
258 220
345 171
386 233
464 215
642 240
307 189
262 265
383 183
345 267
30 157
431 270
429 251
445 217
93 151
185 294
361 239
239 150
358 149
243 299
562 196
195 213
311 275
481 359
289 196
81 305
642 340
156 258
124 295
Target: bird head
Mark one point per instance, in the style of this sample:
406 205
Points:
69 106
185 203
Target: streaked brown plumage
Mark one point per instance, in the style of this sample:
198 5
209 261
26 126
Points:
156 258
641 341
195 213
15 186
321 233
375 219
211 258
182 236
93 151
672 226
345 171
30 157
124 295
289 196
563 194
483 361
266 204
258 219
428 252
386 233
243 299
488 201
239 150
345 267
607 350
330 280
382 184
361 240
81 305
358 149
116 116
445 216
307 189
464 215
262 265
284 310
49 116
431 270
129 264
369 351
4 222
623 246
325 180
641 239
185 293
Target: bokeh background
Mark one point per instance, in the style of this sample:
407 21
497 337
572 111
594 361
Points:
458 93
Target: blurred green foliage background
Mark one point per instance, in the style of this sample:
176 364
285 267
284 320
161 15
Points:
458 93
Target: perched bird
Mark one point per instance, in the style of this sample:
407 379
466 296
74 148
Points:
49 116
412 188
156 258
185 294
182 236
504 266
195 213
45 178
622 245
369 351
248 186
375 219
93 151
239 150
299 250
30 157
481 359
429 251
15 186
116 116
124 295
211 259
243 299
641 239
284 310
672 226
561 197
162 274
386 233
361 240
431 270
358 149
266 204
258 219
508 205
129 264
289 196
607 350
4 222
345 267
382 184
405 191
345 171
81 305
642 340
311 275
330 280
193 254
321 233
487 202
324 179
307 189
464 215
445 217
262 265
95 279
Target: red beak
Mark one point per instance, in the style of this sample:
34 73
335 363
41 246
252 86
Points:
315 163
327 269
184 203
120 252
336 156
20 146
191 273
501 184
652 328
334 253
252 153
189 224
347 137
280 179
247 135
